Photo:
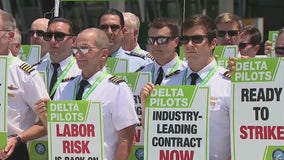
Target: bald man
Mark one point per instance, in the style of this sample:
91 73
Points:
35 34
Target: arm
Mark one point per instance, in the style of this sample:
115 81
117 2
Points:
124 145
41 111
145 91
35 131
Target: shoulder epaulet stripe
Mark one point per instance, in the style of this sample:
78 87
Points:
67 79
227 74
173 73
36 64
27 68
135 54
140 68
116 80
149 55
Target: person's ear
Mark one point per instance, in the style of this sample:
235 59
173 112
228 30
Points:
213 43
10 36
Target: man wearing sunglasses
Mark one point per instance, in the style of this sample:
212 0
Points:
112 23
25 87
162 40
229 27
279 45
38 27
198 40
60 37
250 41
91 51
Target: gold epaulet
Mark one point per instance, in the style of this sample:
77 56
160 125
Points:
116 80
67 79
149 55
36 64
140 68
227 74
173 73
135 54
27 68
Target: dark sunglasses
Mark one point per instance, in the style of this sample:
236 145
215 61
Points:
279 50
231 33
58 36
244 45
113 27
159 40
194 39
38 33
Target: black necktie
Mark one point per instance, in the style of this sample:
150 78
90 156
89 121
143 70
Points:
83 84
160 76
194 77
54 77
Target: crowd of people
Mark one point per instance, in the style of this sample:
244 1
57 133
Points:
75 66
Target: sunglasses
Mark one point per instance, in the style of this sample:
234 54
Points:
159 40
113 27
231 33
82 49
58 36
244 45
194 39
279 50
38 33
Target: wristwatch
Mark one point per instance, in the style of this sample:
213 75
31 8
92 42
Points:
18 138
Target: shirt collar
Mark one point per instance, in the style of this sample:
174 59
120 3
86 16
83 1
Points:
167 67
118 53
63 63
204 71
94 77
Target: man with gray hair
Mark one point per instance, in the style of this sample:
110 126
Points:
130 40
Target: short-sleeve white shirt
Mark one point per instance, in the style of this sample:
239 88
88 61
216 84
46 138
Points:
220 106
117 104
24 90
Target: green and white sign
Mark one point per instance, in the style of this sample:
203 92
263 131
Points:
30 53
176 126
272 36
75 130
3 101
222 53
257 130
136 81
117 65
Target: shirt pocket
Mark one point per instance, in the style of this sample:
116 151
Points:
215 103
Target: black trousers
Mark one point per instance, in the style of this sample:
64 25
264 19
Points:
20 153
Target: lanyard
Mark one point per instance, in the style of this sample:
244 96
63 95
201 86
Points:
10 60
94 85
62 75
205 80
175 67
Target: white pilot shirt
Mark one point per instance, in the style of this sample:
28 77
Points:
220 100
153 68
135 61
117 105
46 67
24 90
